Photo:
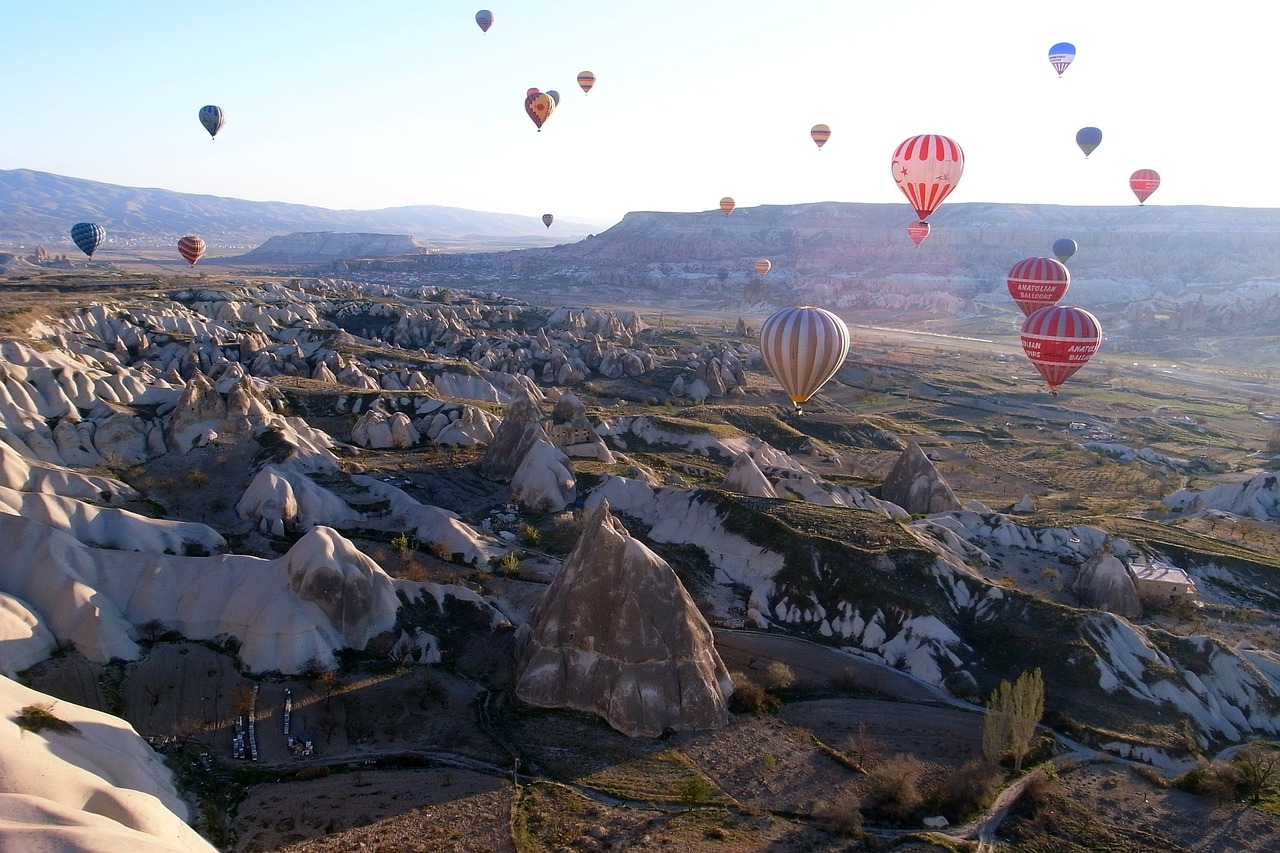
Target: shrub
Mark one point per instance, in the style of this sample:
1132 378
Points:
842 815
750 698
694 790
969 788
1218 780
402 542
777 676
509 564
895 787
39 717
197 478
306 774
530 536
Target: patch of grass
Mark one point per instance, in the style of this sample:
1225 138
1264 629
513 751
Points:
39 717
663 778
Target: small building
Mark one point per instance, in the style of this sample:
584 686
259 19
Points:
1160 583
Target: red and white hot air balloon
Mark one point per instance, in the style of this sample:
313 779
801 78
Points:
1143 183
927 168
763 266
727 205
918 231
1059 340
1037 282
803 348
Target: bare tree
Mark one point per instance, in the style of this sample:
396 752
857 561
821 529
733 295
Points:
1259 766
1013 711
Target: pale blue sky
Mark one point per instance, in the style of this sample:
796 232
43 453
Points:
396 102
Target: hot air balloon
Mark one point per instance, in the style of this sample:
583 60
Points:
539 106
547 219
88 236
1037 282
1143 183
763 266
485 19
586 80
191 247
918 231
555 96
926 169
1060 55
727 205
803 348
1088 138
820 133
213 119
1064 248
1059 340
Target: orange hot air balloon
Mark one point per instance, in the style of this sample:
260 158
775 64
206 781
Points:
1143 183
803 348
918 231
586 80
727 205
191 248
1037 282
1059 340
539 106
763 266
820 133
927 168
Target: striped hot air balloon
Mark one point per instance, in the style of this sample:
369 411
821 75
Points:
88 236
586 80
820 133
1143 183
727 205
484 20
1059 340
1061 55
213 118
918 231
803 348
927 168
763 266
191 248
1037 282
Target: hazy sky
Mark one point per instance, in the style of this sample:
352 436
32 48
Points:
386 103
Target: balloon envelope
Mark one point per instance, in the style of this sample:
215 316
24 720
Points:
927 168
539 106
1059 340
763 266
212 118
484 18
1088 138
1037 282
1064 248
727 205
191 248
88 236
820 133
547 219
586 80
918 231
555 96
1143 183
1060 55
803 348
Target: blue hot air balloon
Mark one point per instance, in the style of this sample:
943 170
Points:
1088 138
88 236
484 19
1064 248
213 119
1060 55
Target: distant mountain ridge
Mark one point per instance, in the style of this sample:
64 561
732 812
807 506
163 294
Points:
39 207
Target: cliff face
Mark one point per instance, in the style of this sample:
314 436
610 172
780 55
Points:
329 245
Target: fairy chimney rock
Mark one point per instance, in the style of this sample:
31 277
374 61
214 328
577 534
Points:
616 634
916 486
